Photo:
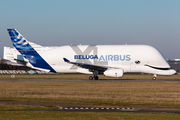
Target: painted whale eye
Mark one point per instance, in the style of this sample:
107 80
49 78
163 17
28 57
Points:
137 62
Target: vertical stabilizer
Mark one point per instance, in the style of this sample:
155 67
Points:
27 51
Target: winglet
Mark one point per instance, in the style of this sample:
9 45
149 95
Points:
66 60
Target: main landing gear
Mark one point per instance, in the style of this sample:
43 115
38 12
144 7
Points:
93 77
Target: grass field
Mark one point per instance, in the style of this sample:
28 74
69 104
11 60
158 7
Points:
86 116
107 93
35 95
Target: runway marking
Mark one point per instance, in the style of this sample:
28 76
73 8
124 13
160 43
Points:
93 108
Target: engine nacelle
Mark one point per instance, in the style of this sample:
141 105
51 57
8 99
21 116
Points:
114 73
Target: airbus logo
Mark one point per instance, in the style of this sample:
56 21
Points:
105 57
91 53
115 58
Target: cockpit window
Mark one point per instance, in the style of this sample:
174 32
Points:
137 62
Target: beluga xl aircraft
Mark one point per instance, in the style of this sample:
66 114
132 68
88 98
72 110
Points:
110 60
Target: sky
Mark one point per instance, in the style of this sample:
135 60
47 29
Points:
94 22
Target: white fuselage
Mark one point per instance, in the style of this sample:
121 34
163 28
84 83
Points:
130 58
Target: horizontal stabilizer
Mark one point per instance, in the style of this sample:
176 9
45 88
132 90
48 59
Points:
45 70
66 60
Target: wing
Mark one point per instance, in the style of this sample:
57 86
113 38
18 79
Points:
91 67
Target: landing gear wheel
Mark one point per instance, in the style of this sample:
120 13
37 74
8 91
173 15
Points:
96 77
90 77
154 77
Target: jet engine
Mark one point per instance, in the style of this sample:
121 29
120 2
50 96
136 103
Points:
114 73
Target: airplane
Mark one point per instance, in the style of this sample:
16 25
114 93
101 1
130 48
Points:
109 60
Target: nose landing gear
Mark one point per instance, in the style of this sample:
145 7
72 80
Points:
154 77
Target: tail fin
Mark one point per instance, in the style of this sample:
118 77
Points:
20 43
23 46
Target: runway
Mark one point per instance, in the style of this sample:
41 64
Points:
101 80
104 109
107 109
